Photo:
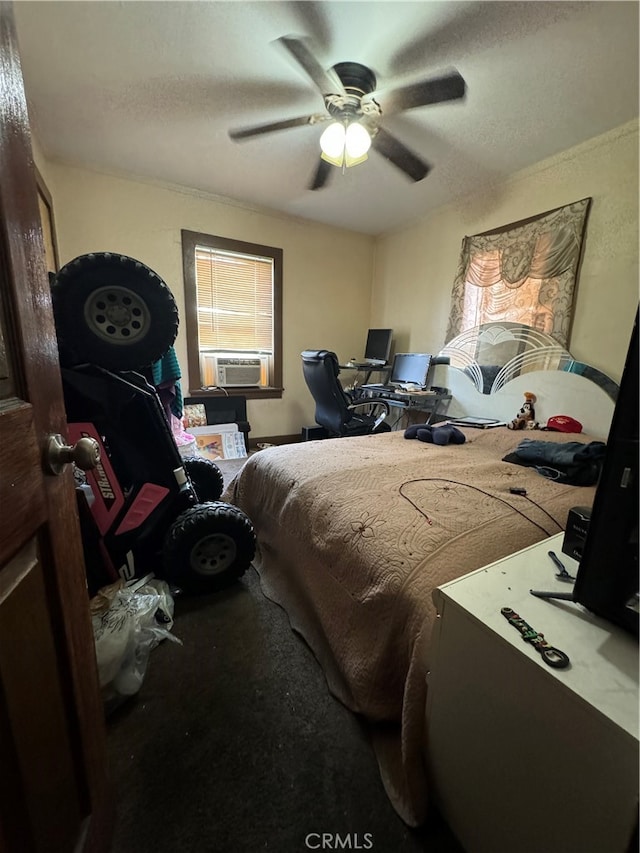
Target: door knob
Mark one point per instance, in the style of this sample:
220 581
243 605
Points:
85 453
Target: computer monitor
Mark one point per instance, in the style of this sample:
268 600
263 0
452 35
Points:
378 345
410 367
607 579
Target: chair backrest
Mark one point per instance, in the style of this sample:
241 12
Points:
320 369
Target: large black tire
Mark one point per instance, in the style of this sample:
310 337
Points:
206 478
113 311
208 547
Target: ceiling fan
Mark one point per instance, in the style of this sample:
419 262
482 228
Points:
355 110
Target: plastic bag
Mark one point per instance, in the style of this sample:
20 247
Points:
138 618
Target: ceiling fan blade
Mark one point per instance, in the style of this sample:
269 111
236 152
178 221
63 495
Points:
321 175
450 87
327 81
257 130
398 154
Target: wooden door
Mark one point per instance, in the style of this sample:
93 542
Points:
53 781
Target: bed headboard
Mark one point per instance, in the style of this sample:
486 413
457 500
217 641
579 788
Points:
491 367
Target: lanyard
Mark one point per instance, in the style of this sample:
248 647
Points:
550 655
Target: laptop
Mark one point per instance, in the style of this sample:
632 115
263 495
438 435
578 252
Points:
409 368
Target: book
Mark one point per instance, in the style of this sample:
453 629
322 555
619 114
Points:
219 441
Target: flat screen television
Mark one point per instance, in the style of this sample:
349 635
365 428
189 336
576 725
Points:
378 345
607 577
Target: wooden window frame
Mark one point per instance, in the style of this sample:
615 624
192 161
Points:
191 239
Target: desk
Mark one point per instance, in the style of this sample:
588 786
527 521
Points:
367 369
522 756
411 401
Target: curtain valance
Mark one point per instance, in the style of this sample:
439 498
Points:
537 257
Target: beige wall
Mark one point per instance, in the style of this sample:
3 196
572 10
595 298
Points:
327 271
415 267
337 283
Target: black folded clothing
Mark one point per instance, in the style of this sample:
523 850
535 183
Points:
572 463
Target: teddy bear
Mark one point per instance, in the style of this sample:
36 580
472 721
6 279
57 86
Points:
526 417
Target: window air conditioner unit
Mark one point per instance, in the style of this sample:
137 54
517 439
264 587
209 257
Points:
230 371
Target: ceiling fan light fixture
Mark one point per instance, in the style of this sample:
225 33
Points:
357 141
354 110
345 145
332 143
354 161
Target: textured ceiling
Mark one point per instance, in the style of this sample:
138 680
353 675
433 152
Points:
151 89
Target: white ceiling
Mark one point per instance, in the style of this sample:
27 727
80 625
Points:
151 89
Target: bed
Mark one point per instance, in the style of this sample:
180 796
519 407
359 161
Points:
353 536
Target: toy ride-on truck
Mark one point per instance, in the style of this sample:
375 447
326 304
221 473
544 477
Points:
143 508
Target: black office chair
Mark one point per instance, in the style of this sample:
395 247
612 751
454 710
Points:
336 410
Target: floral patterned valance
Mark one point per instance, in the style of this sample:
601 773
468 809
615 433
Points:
522 273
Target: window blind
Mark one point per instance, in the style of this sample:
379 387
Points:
235 301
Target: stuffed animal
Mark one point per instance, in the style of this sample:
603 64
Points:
526 417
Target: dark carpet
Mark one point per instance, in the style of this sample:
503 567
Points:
235 745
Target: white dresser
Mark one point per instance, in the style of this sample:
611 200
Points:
524 758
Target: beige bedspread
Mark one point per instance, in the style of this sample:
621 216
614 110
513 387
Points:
353 536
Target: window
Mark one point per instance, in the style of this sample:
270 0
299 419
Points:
233 295
524 272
